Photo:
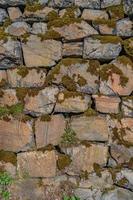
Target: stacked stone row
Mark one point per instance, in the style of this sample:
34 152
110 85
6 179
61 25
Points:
66 98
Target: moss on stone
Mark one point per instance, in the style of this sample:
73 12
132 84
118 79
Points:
23 71
90 112
72 61
52 15
118 136
125 60
45 118
94 67
3 82
109 22
122 182
84 175
33 6
22 92
24 37
63 161
11 110
108 39
48 147
128 46
116 12
97 169
108 69
7 22
86 143
70 12
50 34
60 22
114 172
81 81
1 93
3 35
7 156
69 83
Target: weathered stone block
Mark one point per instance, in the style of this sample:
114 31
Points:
37 164
15 135
49 132
93 128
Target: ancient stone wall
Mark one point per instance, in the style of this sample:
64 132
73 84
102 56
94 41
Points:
66 104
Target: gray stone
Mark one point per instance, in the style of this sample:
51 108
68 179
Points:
26 188
41 54
128 7
3 15
18 28
107 3
39 28
42 103
33 78
12 2
90 14
14 13
90 128
95 49
127 106
117 194
61 3
124 27
72 49
10 54
94 4
88 194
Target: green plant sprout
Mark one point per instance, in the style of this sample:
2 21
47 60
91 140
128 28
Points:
5 181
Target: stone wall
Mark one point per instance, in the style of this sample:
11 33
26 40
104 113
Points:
66 104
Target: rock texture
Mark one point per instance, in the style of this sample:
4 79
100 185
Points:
66 99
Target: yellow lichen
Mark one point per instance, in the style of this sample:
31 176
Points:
110 23
50 34
69 83
125 60
116 12
63 161
128 46
7 156
23 71
108 39
45 118
33 6
94 67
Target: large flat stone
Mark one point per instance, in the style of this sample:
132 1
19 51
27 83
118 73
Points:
48 132
94 4
15 135
42 103
37 164
94 48
90 128
41 54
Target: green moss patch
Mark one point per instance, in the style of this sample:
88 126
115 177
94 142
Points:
52 15
70 94
81 81
11 110
63 161
50 34
22 92
45 118
128 46
33 6
69 83
3 35
90 112
109 22
116 12
109 69
23 71
108 39
97 169
60 22
125 60
7 156
94 67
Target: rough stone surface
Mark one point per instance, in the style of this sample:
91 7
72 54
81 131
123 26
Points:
37 164
49 132
127 107
3 15
90 128
18 28
94 4
90 14
72 49
106 3
34 78
12 2
39 28
8 98
74 104
94 49
14 13
114 84
41 54
117 194
124 27
10 54
128 7
106 104
76 31
84 157
42 103
15 135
